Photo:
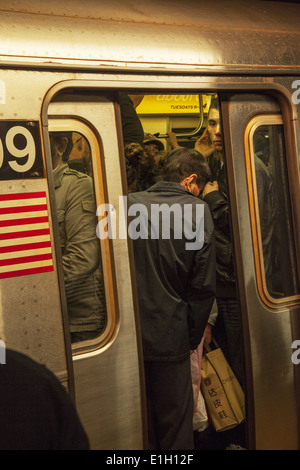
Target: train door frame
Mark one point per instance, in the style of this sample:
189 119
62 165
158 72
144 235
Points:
222 87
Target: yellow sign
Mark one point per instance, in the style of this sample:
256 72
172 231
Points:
171 104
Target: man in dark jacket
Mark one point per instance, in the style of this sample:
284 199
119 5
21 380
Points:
228 327
175 270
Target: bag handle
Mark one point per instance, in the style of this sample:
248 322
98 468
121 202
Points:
208 347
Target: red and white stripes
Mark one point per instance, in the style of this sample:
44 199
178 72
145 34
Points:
25 246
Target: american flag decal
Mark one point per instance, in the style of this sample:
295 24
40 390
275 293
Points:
25 246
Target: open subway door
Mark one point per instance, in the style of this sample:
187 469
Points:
264 196
107 365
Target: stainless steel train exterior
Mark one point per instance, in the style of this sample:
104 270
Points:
61 67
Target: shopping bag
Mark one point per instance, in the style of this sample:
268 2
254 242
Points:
223 395
200 418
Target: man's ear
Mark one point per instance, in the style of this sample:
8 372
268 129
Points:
188 180
193 178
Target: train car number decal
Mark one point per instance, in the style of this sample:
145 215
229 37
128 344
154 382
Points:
20 150
25 245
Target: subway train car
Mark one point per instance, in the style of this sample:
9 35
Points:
63 66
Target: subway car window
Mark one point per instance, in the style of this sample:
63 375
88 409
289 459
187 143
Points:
273 209
80 247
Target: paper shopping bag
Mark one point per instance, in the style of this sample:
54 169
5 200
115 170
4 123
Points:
224 397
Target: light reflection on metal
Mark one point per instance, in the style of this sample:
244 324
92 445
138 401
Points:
196 38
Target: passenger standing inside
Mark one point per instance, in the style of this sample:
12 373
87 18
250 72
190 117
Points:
139 168
80 246
228 328
131 125
154 147
80 156
176 290
142 161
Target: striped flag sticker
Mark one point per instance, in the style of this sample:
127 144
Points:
25 246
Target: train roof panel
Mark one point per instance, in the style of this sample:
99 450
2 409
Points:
144 33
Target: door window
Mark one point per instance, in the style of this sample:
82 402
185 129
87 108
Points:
78 192
272 217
